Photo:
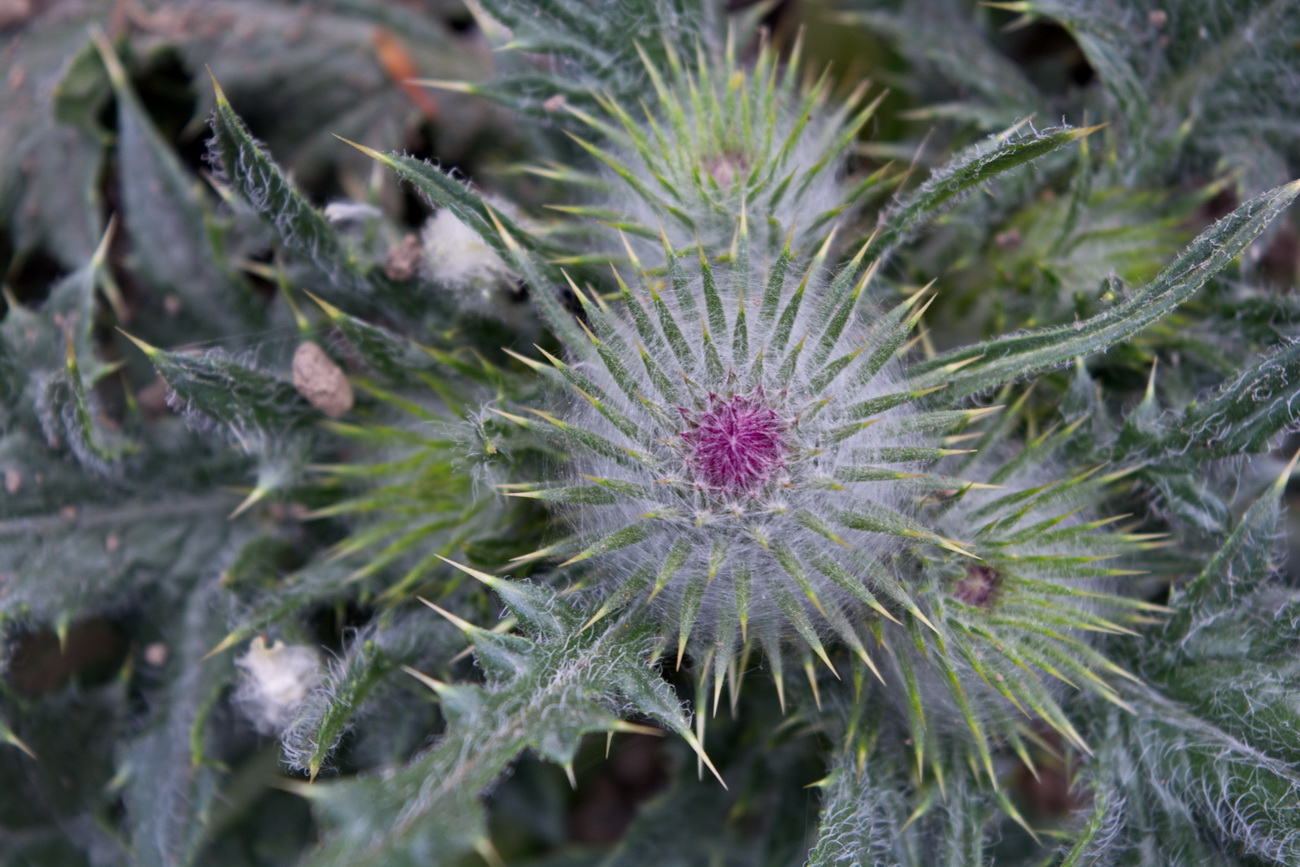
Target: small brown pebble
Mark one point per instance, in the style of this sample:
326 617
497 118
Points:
555 103
320 380
1008 240
156 654
403 260
13 481
153 398
1158 18
43 661
172 305
68 513
112 543
14 12
289 511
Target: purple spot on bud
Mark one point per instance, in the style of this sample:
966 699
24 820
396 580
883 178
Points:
736 444
979 586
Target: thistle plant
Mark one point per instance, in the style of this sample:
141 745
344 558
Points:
348 493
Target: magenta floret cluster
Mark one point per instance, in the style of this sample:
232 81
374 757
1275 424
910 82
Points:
736 445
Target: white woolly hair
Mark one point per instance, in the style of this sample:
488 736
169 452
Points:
457 257
277 678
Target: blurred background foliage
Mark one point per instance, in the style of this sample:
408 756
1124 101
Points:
140 529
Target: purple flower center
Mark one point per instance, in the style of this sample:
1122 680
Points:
979 586
736 444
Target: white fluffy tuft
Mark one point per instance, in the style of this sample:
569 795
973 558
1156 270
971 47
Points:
456 256
277 679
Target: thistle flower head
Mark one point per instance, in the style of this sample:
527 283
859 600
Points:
1023 625
715 139
749 459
